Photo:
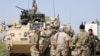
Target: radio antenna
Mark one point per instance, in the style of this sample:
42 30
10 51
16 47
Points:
28 4
54 7
70 16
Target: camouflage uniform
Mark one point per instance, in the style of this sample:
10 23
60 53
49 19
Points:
2 28
8 44
34 42
46 32
81 42
53 41
61 47
93 40
92 44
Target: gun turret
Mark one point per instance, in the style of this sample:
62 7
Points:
24 15
28 15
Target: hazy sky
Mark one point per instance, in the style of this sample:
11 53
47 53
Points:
76 10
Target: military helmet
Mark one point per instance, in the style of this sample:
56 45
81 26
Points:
61 28
82 26
3 22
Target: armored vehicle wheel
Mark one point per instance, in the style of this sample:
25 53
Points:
12 54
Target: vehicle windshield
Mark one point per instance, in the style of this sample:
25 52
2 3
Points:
35 26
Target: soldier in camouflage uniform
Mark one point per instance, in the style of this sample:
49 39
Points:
2 27
92 42
68 31
81 42
8 43
34 43
62 43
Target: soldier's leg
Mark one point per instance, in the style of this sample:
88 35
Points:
88 52
85 52
74 52
7 53
7 50
52 52
58 52
78 52
65 52
34 52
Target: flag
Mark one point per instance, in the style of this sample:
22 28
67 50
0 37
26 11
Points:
34 5
58 17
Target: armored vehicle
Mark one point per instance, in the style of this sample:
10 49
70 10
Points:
17 35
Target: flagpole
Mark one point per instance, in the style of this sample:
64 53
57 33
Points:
54 7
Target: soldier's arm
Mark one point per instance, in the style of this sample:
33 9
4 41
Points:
56 38
53 41
67 41
86 39
76 38
36 39
96 38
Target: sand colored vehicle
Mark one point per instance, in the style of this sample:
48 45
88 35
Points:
17 35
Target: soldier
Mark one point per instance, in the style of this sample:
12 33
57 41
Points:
2 27
68 31
62 43
92 42
8 43
34 43
81 41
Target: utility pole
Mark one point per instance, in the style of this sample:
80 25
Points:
54 7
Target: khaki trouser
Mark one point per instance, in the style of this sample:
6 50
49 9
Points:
34 51
7 50
7 46
82 51
61 50
52 51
